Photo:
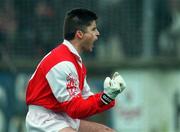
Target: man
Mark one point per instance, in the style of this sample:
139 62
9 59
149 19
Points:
58 96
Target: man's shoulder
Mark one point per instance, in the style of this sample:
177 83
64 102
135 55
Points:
57 55
61 47
61 51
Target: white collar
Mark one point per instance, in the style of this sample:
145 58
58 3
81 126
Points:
72 49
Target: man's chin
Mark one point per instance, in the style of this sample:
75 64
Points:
91 49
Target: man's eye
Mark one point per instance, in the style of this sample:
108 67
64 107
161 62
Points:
94 29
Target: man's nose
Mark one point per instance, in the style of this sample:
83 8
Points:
98 33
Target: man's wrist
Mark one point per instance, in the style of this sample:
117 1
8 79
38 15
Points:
105 98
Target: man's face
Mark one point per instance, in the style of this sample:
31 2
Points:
90 36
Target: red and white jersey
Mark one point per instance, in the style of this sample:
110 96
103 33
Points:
59 84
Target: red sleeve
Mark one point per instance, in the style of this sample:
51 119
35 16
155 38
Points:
82 108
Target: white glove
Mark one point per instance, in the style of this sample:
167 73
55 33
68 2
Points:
118 78
112 87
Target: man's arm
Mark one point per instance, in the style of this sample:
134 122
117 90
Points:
86 92
61 79
83 108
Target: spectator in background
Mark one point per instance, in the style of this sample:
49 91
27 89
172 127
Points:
163 19
130 27
44 18
25 34
8 28
169 39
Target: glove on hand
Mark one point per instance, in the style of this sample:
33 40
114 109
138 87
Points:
118 78
113 87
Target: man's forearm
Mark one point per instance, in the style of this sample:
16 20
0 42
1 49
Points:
82 108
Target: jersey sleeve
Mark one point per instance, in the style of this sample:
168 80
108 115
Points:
64 83
86 92
63 80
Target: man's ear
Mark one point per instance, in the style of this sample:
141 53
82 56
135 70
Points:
79 34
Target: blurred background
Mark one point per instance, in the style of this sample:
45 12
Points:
139 38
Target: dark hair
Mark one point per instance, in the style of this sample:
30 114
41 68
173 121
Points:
77 19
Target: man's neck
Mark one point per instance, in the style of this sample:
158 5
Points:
76 45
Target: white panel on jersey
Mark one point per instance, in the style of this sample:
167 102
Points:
63 80
86 90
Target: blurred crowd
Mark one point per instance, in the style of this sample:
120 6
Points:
30 28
